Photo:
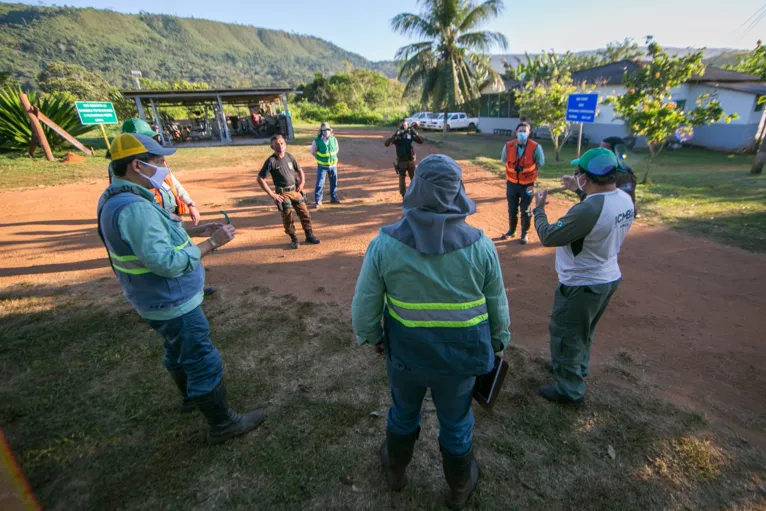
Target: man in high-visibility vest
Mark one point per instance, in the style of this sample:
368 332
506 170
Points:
159 269
436 284
325 150
523 158
172 196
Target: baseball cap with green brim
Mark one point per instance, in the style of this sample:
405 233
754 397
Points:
599 162
136 125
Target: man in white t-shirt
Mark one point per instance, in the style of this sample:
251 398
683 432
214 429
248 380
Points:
587 240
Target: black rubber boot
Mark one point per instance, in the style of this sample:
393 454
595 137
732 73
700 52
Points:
210 290
549 393
513 221
526 220
224 422
462 475
294 242
179 377
396 454
310 238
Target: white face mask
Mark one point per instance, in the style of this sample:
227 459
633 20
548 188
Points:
160 173
577 178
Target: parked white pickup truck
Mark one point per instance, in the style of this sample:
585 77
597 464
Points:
455 121
419 119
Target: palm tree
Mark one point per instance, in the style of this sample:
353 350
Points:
451 61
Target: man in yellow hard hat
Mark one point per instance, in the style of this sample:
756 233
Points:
159 269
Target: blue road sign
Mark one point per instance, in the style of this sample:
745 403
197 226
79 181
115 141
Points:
582 107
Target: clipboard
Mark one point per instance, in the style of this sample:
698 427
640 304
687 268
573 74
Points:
487 386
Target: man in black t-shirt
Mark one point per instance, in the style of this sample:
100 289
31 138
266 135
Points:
287 194
405 153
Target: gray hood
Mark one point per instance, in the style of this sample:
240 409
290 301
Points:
435 208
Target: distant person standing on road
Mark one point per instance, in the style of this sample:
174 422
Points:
405 153
160 271
287 194
587 240
325 150
436 284
523 158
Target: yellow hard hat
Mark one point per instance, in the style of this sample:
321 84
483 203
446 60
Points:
131 144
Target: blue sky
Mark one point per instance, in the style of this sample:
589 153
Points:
363 26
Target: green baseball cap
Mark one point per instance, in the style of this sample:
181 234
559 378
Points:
136 125
599 161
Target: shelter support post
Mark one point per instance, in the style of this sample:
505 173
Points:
158 121
140 109
223 120
290 132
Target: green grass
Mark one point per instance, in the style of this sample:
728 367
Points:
700 192
19 171
94 421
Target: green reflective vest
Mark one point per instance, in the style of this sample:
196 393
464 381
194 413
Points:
327 152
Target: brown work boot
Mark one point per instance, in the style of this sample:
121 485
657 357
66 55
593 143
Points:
224 422
462 475
396 454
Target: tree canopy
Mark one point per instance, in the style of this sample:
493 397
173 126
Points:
648 108
450 64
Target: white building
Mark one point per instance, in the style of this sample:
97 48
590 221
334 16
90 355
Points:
737 92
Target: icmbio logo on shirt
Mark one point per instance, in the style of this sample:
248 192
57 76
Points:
624 218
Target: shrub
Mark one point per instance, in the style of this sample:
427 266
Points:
15 130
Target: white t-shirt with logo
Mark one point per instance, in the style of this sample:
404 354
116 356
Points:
588 238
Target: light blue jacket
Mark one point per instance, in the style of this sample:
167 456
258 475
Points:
156 262
442 314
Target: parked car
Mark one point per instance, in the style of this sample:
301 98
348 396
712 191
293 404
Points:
418 119
455 121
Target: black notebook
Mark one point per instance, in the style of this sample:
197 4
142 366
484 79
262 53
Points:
488 386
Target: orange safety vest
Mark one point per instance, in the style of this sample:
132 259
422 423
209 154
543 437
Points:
528 173
182 207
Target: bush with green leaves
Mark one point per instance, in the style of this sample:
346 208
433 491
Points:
15 129
341 113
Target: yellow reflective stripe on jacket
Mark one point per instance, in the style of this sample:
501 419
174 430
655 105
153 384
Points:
183 245
439 324
438 306
135 271
325 155
131 265
438 315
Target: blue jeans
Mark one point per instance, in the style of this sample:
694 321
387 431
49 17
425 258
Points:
188 348
322 171
452 398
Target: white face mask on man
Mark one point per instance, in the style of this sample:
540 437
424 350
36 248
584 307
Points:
160 173
577 178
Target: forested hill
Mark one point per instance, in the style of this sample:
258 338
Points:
164 48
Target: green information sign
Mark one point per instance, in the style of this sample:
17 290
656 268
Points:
96 112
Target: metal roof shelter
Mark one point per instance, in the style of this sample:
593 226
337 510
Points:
216 98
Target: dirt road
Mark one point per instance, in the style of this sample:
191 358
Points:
689 313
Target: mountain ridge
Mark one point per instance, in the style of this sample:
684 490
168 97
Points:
165 47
